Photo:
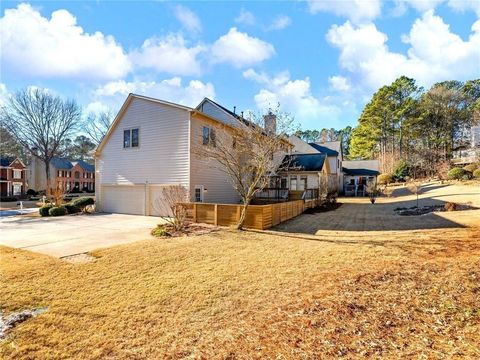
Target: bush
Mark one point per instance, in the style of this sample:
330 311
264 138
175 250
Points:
72 209
470 168
161 231
384 179
476 174
456 173
57 211
44 210
31 192
82 202
400 171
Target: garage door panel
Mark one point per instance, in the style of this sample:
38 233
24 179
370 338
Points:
124 199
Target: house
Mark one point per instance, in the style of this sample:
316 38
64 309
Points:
150 145
357 174
469 151
13 175
334 156
69 175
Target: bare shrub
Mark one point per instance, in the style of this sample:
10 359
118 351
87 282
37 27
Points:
372 191
58 194
415 189
387 191
450 206
172 207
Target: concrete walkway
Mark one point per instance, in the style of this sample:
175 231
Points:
71 235
358 214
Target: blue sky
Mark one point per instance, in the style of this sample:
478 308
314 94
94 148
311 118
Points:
321 60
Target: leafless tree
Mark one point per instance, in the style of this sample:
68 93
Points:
248 153
415 188
40 122
171 205
97 125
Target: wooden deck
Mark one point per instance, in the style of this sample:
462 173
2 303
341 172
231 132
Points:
258 216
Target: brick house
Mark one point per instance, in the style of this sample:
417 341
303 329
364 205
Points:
13 175
70 175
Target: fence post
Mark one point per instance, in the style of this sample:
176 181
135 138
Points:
215 215
238 213
194 212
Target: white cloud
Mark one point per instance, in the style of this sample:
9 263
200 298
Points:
240 49
464 5
339 83
425 5
245 17
280 22
169 54
188 19
114 93
294 96
57 47
355 10
435 53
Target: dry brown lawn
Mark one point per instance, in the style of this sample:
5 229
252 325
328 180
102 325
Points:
411 294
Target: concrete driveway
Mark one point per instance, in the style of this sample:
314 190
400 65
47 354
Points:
71 235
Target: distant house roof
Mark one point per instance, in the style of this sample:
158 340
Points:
6 161
361 167
331 148
303 162
66 164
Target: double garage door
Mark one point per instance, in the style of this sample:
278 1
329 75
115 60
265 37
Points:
133 199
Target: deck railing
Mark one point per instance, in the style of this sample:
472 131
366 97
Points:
274 194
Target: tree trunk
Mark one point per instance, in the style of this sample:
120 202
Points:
243 215
48 190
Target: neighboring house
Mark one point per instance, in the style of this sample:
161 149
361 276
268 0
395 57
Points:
150 145
357 174
332 150
302 175
13 175
469 152
69 175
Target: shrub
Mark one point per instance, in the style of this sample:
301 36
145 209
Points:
31 192
82 202
456 173
384 179
57 211
400 171
476 174
44 210
470 168
450 206
161 231
72 209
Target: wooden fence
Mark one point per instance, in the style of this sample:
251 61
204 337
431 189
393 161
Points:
258 216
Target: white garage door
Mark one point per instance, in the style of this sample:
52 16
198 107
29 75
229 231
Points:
124 199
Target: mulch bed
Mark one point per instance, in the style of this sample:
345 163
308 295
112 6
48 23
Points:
323 208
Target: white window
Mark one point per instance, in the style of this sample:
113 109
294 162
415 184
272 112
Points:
303 183
17 189
199 193
17 174
130 138
293 183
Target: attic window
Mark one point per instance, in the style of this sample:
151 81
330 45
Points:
130 138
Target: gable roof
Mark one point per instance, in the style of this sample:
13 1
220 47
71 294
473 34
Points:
66 164
303 162
124 107
225 110
7 161
331 148
361 167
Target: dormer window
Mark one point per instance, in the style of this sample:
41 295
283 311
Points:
130 138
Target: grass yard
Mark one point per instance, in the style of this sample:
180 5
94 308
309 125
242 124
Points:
413 294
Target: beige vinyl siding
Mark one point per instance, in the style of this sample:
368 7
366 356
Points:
206 172
163 153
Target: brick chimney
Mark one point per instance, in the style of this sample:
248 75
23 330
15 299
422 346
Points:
270 122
